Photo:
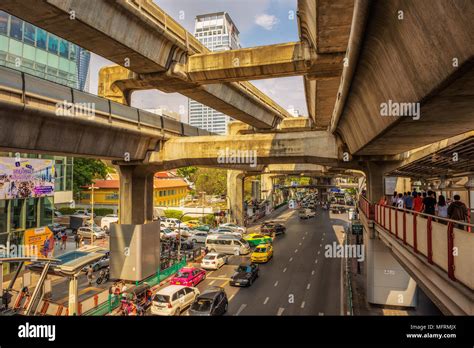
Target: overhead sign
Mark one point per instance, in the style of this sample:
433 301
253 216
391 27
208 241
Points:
26 177
357 228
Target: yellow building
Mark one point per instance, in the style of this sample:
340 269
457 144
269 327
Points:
169 191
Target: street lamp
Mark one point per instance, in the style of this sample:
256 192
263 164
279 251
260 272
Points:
92 212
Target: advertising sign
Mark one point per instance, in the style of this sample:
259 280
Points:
26 177
39 242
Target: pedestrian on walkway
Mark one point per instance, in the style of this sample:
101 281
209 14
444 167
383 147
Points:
399 202
457 210
394 199
429 203
442 207
77 239
417 202
408 201
63 240
90 272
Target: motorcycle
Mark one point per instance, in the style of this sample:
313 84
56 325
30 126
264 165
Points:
104 276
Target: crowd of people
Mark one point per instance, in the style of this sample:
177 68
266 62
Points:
428 203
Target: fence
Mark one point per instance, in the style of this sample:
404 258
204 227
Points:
113 301
445 243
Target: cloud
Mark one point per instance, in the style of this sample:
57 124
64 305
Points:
266 21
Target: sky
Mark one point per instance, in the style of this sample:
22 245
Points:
260 22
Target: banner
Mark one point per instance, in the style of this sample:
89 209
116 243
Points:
39 242
26 177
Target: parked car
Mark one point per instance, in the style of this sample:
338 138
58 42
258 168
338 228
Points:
244 275
198 236
255 239
262 253
193 223
272 227
188 276
169 222
234 227
306 213
56 228
107 220
226 230
212 301
187 244
173 300
213 261
86 232
204 228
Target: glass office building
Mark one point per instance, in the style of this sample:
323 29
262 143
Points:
217 32
33 50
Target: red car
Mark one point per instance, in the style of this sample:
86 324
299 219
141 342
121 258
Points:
188 276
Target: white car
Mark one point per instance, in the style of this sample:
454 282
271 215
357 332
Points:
85 232
107 220
198 236
227 231
173 300
306 213
234 227
170 222
213 261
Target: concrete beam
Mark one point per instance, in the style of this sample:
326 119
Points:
263 62
298 147
419 62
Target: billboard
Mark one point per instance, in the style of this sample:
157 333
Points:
26 177
39 242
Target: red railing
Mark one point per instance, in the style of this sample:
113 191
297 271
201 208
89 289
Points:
366 207
411 234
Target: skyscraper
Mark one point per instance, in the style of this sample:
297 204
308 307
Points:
217 32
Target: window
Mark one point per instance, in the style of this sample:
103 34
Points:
29 34
112 197
16 28
3 215
16 214
3 23
41 37
46 211
64 49
52 44
31 213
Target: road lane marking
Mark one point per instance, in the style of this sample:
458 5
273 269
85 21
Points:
284 270
308 286
296 250
312 272
321 313
303 237
212 282
306 232
316 261
280 311
231 297
302 304
319 252
217 278
276 283
242 307
300 243
266 300
291 259
320 245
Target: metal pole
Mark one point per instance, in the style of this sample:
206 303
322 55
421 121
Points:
92 214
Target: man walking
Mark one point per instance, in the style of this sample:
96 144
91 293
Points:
457 210
90 271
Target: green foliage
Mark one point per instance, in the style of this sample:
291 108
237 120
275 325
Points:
210 180
187 172
351 191
85 171
172 213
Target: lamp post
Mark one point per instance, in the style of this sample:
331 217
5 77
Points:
92 212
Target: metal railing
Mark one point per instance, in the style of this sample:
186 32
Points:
446 243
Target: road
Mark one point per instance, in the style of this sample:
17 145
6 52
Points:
299 280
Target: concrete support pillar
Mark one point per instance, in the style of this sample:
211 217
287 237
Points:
387 282
136 194
235 191
375 180
267 188
73 296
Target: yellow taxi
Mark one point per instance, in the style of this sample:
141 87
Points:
262 253
193 223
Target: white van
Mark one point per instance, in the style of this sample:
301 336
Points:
173 300
227 244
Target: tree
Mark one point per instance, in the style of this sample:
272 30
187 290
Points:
85 171
210 180
187 172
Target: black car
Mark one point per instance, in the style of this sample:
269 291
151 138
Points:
271 227
244 275
212 301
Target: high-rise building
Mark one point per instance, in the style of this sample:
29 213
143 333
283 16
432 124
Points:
217 32
45 181
28 48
